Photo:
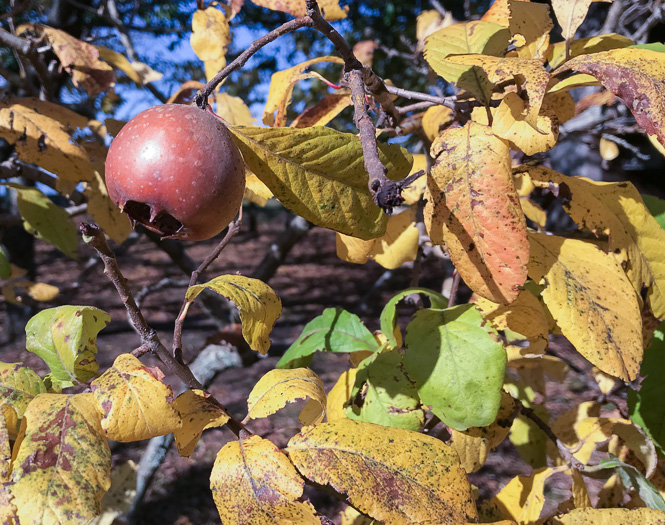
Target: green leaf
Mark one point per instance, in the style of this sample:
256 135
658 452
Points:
319 173
335 330
631 477
456 364
646 407
5 266
42 218
384 395
654 46
656 207
258 304
389 313
66 339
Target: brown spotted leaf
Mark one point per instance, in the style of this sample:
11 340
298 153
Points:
393 475
253 483
63 462
330 8
18 386
616 209
592 300
474 209
634 75
134 402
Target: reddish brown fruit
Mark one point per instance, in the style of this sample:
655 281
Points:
176 170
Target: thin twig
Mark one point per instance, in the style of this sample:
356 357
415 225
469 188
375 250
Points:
449 102
150 341
564 451
201 97
234 228
452 297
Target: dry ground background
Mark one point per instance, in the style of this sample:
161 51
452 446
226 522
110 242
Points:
311 279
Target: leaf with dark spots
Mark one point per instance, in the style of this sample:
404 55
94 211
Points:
636 76
61 446
252 482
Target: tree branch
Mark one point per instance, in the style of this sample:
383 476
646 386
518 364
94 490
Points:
234 228
150 341
201 98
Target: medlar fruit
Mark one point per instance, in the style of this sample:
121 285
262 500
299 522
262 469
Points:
176 170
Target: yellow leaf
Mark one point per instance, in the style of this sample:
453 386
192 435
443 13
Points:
119 498
319 174
255 190
530 441
350 516
608 149
281 89
258 304
339 395
63 462
80 60
574 81
592 301
561 104
398 245
644 95
134 402
476 37
364 51
617 208
532 369
233 110
413 193
532 210
253 483
528 74
473 445
434 119
509 123
106 214
330 8
524 316
138 72
279 387
611 517
19 385
498 13
8 421
579 490
198 413
530 25
210 34
183 95
473 208
606 383
322 113
570 15
42 132
430 21
523 498
556 54
352 456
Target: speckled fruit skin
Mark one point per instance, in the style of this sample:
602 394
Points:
179 161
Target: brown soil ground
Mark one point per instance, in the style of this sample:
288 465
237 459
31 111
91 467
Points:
311 279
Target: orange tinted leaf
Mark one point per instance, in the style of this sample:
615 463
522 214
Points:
330 8
474 209
635 76
322 113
